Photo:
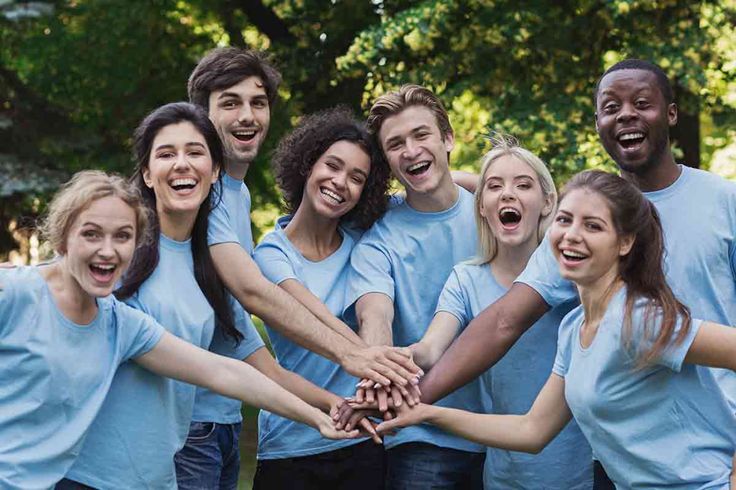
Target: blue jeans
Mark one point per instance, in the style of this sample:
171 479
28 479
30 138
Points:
210 458
420 466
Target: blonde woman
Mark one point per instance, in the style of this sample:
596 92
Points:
514 204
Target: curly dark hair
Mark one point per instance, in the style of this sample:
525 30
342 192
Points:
298 151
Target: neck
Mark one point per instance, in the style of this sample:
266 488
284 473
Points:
510 261
236 170
659 176
73 301
595 296
438 200
177 226
314 236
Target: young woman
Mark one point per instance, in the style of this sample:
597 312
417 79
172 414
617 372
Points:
145 418
514 205
629 360
334 184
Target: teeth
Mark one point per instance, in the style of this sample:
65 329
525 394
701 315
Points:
178 182
508 210
574 255
631 136
246 134
106 267
332 195
417 166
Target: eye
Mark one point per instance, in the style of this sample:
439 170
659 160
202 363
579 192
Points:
494 186
195 153
358 180
593 226
642 104
260 103
524 186
562 219
90 234
422 135
228 104
123 236
332 165
610 108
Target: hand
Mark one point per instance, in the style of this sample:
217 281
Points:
383 365
327 428
347 418
404 417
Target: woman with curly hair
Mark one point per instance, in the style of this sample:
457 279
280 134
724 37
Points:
334 183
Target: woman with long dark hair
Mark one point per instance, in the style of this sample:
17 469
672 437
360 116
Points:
145 418
630 364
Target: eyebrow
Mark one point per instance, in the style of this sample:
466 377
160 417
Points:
167 146
360 171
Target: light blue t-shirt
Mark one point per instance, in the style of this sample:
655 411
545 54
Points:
229 223
666 425
512 385
408 255
279 260
55 375
145 418
698 213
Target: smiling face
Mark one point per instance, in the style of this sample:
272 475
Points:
336 180
179 170
513 202
633 119
241 114
416 150
584 239
100 245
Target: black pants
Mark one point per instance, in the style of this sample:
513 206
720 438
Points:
358 467
600 478
71 485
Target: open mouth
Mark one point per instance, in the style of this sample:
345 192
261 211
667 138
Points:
573 256
418 168
631 140
332 196
183 184
244 135
102 272
509 217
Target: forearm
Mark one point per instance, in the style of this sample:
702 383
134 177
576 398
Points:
375 316
511 432
484 342
304 389
425 354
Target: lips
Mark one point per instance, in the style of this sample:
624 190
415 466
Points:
631 139
245 136
183 185
331 196
509 217
572 258
102 273
419 168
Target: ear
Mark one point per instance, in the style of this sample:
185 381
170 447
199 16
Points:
595 116
449 141
672 114
215 174
625 245
549 205
146 173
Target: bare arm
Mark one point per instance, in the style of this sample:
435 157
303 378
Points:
714 346
318 309
436 340
375 313
175 358
467 180
287 315
528 433
484 342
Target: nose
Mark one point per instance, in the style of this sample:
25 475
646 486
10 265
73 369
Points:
182 162
626 113
411 149
339 180
572 233
245 115
507 194
106 251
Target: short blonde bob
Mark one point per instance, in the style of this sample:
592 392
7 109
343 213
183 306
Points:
77 194
506 145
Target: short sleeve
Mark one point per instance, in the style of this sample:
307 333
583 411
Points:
219 228
6 299
542 273
252 340
370 272
138 332
273 262
671 357
453 300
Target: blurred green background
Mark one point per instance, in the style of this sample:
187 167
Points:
76 77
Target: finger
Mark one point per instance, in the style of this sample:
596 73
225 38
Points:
415 393
382 400
388 415
354 419
394 372
343 434
404 361
343 416
360 395
396 396
367 426
378 375
370 395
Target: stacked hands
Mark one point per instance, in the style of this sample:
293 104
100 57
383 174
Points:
387 390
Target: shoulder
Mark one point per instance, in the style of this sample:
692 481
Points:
21 280
710 181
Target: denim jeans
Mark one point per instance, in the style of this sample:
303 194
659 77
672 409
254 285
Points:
357 467
210 458
420 466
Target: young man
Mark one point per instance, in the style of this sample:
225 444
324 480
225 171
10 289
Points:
634 111
238 88
400 265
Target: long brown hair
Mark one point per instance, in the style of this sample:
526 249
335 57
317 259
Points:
641 269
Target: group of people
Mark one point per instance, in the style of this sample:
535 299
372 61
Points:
126 358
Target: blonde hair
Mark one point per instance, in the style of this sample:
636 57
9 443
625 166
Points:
77 194
506 145
392 103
